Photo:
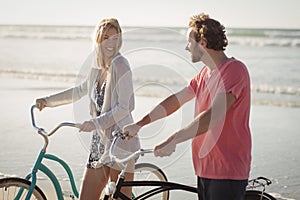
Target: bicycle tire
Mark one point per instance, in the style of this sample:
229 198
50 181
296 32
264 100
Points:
257 195
147 171
9 188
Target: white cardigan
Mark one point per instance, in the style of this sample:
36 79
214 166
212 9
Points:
118 101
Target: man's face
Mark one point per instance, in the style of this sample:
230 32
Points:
194 47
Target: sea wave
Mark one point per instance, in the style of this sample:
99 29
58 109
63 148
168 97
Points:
286 96
45 32
64 76
238 36
287 90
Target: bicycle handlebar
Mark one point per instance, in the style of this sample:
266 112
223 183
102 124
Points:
258 182
43 131
117 135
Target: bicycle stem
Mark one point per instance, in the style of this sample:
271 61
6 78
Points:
117 135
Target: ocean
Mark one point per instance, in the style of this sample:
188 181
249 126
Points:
156 55
52 58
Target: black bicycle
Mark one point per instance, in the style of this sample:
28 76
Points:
150 182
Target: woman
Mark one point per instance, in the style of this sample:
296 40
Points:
110 89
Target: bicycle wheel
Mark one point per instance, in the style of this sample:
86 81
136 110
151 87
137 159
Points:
9 188
148 172
257 195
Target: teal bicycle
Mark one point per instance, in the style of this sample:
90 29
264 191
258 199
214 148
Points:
19 188
27 188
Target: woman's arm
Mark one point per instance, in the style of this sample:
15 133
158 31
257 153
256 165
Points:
67 96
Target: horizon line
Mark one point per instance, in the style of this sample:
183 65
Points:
139 26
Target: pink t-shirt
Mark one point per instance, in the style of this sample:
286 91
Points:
223 152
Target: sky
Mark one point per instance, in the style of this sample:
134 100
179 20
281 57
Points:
168 13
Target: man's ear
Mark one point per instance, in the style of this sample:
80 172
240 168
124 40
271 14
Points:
203 43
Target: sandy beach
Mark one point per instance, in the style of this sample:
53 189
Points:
275 135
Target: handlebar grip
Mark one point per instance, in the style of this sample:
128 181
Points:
119 133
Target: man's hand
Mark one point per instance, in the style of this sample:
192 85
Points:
87 126
132 130
165 148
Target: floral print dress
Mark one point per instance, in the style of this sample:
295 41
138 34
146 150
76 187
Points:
97 148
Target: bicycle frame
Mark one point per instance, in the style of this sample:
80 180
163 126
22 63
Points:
161 185
40 166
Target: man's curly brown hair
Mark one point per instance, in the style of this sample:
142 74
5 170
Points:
210 30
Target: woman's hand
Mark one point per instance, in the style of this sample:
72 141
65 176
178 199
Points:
87 126
132 130
41 103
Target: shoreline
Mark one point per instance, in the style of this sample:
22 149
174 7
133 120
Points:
286 99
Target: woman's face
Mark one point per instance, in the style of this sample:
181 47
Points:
110 43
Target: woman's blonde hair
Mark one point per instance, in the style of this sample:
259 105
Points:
100 31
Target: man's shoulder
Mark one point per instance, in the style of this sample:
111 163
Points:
235 65
235 62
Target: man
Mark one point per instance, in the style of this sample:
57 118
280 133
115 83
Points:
221 145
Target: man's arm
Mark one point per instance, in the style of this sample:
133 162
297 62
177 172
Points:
167 107
201 124
163 109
